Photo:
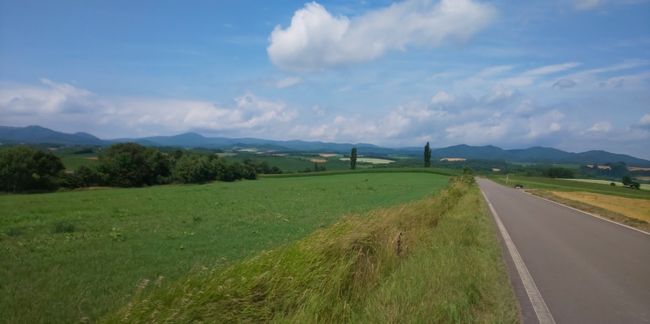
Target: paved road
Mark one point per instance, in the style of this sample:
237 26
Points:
587 270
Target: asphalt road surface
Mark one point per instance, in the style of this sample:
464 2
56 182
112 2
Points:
587 270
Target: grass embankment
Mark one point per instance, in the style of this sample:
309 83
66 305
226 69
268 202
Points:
434 260
72 255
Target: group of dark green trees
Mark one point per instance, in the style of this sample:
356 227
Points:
122 165
23 169
628 182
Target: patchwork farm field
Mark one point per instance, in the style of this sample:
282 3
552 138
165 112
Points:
75 256
644 186
566 185
634 208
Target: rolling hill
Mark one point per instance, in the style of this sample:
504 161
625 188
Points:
41 135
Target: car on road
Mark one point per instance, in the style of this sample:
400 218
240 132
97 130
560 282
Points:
519 186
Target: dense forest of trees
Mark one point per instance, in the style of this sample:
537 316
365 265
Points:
25 169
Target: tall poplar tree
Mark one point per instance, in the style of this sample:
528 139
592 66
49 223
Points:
427 156
353 158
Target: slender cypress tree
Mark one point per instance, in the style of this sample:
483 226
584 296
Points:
427 156
353 158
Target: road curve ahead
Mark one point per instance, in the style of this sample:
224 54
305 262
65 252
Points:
587 270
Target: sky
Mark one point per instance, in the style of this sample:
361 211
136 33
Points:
569 74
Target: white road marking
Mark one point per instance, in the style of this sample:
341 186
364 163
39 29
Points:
588 213
544 315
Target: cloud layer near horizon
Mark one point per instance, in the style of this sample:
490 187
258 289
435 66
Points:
502 114
316 39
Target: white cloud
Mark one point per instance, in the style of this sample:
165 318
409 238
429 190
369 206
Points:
318 110
49 97
442 97
594 4
499 93
68 108
587 4
564 83
550 69
645 120
600 127
288 82
316 39
528 77
477 132
493 71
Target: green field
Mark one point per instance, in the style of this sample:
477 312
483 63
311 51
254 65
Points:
644 186
435 260
292 163
72 256
566 185
74 161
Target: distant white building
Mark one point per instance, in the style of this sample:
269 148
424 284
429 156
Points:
451 159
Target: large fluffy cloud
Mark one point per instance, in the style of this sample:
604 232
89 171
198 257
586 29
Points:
316 39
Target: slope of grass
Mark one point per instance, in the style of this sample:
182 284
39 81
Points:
74 255
564 185
434 260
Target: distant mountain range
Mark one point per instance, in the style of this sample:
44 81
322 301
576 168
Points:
41 135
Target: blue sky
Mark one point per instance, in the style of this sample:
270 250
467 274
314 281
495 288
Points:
571 74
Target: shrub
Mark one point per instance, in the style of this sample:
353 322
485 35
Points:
83 177
63 227
14 231
194 169
558 172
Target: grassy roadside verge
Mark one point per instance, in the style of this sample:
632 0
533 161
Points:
609 214
434 260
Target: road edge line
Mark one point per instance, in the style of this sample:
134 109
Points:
588 213
544 315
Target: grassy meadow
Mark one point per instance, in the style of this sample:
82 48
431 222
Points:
73 161
76 256
433 260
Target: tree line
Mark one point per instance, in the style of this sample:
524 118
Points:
24 169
